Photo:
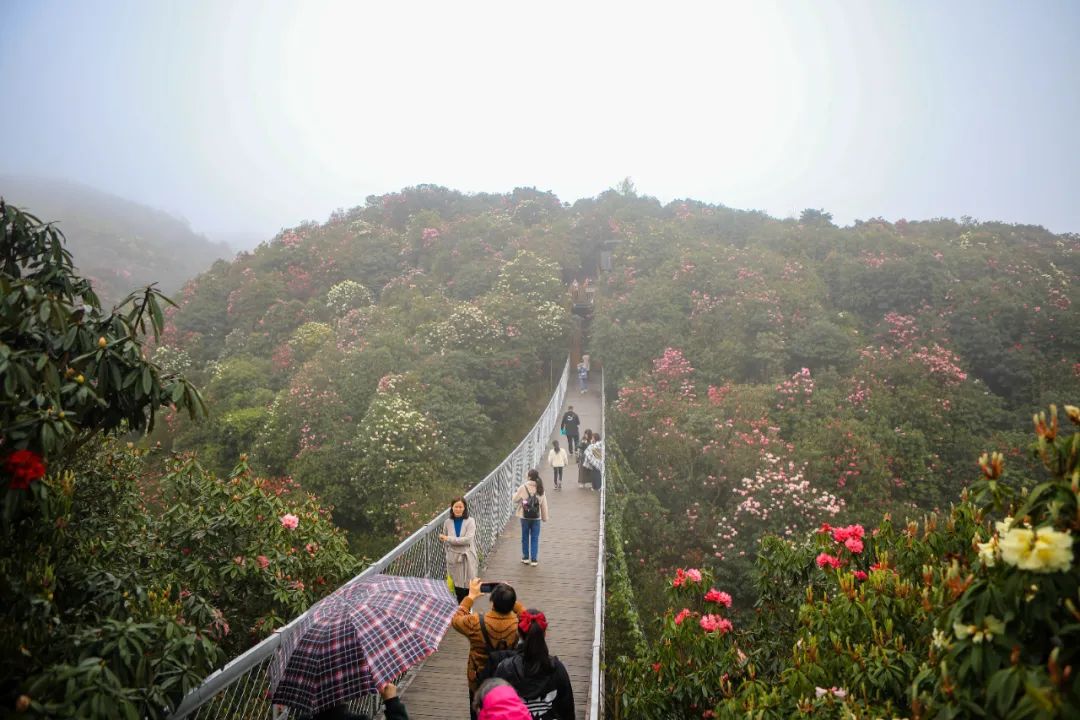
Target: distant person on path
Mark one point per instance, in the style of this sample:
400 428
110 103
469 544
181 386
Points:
557 459
583 472
497 700
459 534
570 424
586 363
539 677
582 378
500 624
532 509
593 461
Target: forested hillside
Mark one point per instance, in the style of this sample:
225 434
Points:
776 377
823 495
118 244
386 359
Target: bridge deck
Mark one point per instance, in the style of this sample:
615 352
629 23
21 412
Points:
563 585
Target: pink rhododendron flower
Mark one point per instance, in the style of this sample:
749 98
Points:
719 597
683 614
311 548
851 531
860 575
264 562
289 521
825 559
694 575
854 544
715 623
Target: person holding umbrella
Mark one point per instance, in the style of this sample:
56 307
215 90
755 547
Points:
500 625
357 641
393 708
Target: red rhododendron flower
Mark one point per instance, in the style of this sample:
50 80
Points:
854 544
719 597
715 623
683 614
859 575
24 467
825 559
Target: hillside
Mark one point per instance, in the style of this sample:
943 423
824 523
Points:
118 244
386 359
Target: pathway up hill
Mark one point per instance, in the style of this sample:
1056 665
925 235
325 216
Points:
563 585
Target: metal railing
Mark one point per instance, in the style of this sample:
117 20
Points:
239 689
596 676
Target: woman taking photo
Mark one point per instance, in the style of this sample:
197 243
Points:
532 509
459 534
539 678
557 459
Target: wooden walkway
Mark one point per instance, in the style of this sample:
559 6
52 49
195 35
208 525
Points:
563 585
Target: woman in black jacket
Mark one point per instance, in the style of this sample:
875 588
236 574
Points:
539 678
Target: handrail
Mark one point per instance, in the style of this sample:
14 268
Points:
596 676
239 688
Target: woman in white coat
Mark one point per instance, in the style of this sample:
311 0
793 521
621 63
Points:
459 535
557 459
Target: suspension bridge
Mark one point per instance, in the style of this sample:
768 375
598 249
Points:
568 585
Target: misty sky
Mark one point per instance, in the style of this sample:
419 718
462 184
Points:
252 116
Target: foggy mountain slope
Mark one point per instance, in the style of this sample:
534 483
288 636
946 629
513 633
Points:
118 243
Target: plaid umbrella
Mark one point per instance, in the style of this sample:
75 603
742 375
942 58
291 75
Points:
358 638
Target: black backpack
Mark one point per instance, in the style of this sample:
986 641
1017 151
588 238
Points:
530 507
495 655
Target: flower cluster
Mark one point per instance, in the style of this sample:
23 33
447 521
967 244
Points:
797 390
23 467
849 538
1041 550
684 576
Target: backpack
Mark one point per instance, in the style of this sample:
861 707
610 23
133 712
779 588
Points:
495 655
530 506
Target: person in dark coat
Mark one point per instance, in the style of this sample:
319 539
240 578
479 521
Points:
540 679
393 708
570 424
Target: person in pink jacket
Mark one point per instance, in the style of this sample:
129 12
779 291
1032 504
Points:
497 700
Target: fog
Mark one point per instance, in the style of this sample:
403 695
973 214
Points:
246 117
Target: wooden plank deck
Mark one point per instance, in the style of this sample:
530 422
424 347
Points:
563 585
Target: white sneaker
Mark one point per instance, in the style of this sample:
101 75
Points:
524 561
534 563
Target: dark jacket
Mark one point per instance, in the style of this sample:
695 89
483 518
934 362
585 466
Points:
394 710
570 423
548 695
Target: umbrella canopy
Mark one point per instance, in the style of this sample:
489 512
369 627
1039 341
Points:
358 638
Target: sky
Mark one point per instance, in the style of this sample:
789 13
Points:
247 117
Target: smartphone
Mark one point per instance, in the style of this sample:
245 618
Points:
488 586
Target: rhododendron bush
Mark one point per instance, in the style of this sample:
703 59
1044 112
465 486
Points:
122 589
968 613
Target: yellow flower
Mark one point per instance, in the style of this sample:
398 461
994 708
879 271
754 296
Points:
987 551
1043 550
991 626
